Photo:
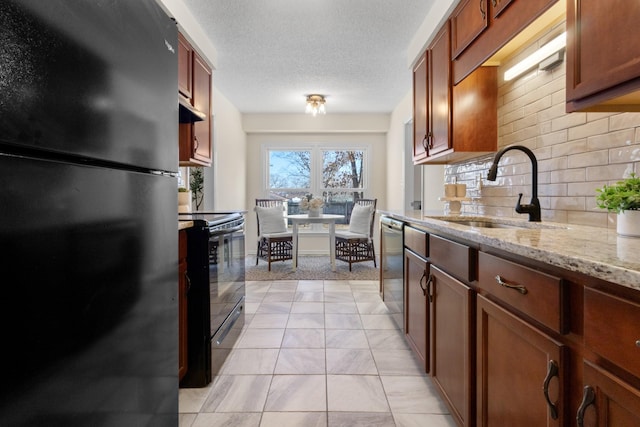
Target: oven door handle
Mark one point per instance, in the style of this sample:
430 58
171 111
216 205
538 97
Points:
228 324
227 230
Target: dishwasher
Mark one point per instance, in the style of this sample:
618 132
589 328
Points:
392 267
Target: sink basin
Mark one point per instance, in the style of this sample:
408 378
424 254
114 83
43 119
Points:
499 223
487 224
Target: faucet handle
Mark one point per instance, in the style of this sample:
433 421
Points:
519 207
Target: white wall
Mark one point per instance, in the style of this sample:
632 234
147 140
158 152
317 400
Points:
396 153
398 159
226 180
438 13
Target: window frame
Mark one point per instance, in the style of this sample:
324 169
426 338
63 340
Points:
316 150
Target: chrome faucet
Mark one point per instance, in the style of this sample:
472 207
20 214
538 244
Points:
533 208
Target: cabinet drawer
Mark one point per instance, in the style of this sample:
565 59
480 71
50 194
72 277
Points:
612 329
536 294
454 258
417 241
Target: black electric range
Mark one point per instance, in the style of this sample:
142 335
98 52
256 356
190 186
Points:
216 295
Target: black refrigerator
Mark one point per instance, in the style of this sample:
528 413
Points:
88 213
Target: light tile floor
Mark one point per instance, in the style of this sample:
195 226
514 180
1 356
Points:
317 353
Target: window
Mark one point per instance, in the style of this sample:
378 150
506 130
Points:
337 175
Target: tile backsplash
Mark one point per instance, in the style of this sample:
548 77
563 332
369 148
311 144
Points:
576 152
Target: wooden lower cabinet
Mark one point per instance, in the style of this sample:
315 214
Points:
520 371
452 337
607 400
183 287
416 327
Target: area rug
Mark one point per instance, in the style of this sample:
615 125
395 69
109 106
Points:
310 268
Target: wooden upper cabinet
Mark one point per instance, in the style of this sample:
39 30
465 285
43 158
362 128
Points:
472 46
468 21
603 56
420 108
185 67
497 6
202 102
194 84
440 90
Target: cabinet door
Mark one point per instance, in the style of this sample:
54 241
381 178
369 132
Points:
612 329
440 91
511 17
602 52
416 275
607 400
202 102
514 361
468 21
183 287
497 6
452 312
185 70
420 109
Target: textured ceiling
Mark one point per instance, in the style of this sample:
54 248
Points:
271 53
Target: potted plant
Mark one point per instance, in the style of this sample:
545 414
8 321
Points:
623 198
196 184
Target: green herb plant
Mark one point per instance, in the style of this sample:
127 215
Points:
196 184
621 196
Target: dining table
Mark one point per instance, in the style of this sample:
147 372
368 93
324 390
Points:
299 219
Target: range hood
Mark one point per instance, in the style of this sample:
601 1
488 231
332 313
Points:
187 112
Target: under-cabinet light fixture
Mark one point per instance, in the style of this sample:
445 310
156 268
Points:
554 46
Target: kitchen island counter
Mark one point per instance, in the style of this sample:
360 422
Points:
593 251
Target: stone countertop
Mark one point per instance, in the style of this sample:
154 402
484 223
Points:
183 225
597 252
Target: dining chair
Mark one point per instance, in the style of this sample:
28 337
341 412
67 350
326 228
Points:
356 244
275 241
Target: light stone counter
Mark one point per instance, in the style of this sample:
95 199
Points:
597 252
183 225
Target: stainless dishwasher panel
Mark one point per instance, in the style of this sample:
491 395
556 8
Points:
392 267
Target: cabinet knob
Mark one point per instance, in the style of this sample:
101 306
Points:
638 343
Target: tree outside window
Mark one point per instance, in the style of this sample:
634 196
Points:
337 176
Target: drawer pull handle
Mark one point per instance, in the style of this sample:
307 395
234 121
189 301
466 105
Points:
588 399
518 288
638 343
551 372
482 12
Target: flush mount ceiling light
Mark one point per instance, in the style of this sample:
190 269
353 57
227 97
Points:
315 105
549 49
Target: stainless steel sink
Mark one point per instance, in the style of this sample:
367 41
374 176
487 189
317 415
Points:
500 223
488 224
